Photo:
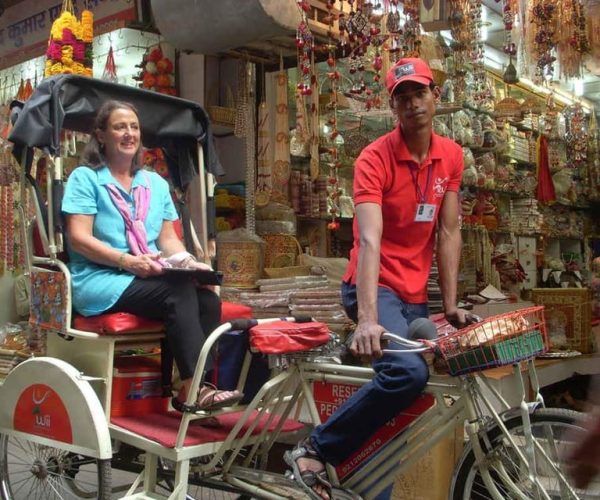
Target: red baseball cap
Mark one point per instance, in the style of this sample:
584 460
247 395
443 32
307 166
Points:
408 69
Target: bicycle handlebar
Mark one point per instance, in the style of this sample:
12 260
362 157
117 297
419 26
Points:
424 332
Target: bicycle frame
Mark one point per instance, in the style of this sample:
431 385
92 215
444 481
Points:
468 402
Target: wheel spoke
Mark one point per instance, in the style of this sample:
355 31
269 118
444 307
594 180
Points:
554 432
30 471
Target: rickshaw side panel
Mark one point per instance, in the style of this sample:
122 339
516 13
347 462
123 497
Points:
49 399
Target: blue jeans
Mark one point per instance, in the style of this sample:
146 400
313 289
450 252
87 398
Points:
398 381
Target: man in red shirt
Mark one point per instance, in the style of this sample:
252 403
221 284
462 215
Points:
406 196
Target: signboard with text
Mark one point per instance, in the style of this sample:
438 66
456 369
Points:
25 28
329 396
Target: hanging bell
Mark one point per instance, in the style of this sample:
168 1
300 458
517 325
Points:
510 74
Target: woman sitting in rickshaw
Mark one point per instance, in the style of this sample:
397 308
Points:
121 237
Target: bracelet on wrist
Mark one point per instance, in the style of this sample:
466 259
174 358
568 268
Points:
121 261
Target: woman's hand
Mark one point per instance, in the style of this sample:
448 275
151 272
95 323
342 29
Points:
143 266
194 264
199 265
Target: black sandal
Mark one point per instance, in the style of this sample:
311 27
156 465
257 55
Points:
308 479
209 398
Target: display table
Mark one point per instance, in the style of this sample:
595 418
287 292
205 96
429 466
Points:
549 371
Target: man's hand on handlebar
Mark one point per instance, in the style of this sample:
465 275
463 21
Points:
366 340
459 318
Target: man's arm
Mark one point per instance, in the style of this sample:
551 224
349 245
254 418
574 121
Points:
449 246
367 336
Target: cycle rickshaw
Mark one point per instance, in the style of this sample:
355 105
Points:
59 435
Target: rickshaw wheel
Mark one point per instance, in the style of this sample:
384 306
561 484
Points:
29 470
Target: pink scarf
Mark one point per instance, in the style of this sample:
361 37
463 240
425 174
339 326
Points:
135 231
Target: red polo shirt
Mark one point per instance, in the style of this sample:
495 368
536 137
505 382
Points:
382 175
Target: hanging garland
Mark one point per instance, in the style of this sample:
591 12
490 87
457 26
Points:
70 46
157 73
543 15
333 75
305 43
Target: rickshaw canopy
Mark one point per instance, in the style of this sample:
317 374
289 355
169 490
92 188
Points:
71 102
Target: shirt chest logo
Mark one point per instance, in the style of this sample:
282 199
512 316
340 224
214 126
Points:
439 186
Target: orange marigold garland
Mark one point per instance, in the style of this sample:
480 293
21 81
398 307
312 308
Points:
70 45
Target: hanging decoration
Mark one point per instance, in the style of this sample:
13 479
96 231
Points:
70 45
286 143
110 68
593 28
305 43
314 128
571 40
12 255
250 140
576 138
509 10
545 187
542 38
240 123
362 41
593 152
409 36
156 74
467 51
263 156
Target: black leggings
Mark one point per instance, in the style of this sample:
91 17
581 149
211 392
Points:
189 313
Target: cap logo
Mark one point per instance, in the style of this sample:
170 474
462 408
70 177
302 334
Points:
405 69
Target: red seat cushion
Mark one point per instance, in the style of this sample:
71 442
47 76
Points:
123 323
230 311
117 323
163 427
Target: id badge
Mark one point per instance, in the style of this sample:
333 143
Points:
425 212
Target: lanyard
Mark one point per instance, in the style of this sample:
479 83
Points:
414 173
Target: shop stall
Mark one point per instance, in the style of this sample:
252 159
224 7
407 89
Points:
294 90
295 110
296 95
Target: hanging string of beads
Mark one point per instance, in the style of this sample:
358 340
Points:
409 38
593 151
377 40
305 43
365 42
476 53
332 161
543 32
509 10
458 20
392 25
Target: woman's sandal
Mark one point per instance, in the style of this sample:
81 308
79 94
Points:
209 398
308 479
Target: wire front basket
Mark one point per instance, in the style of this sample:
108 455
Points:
499 340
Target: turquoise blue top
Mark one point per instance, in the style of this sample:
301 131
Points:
95 287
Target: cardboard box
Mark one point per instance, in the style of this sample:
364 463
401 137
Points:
494 308
429 478
568 313
136 387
